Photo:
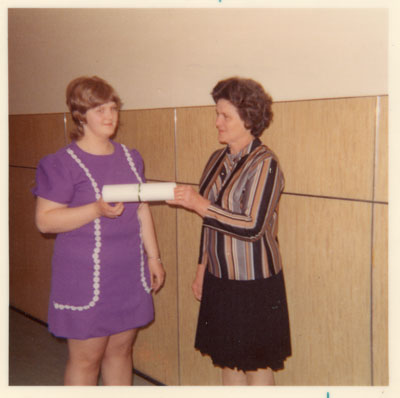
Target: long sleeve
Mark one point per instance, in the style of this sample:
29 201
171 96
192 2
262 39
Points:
239 229
256 205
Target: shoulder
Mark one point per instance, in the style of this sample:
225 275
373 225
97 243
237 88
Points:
216 155
263 153
211 162
213 159
134 159
56 159
134 153
54 180
263 156
219 151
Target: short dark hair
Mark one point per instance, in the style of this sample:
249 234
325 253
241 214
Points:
84 93
250 99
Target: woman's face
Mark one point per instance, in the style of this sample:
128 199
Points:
230 126
102 120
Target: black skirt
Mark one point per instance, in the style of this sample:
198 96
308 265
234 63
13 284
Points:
244 324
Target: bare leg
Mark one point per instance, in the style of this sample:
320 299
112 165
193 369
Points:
260 377
84 360
116 368
233 377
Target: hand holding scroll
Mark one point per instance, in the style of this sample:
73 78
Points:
106 210
187 197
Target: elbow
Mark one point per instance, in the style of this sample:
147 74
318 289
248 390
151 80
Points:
253 236
257 231
42 228
41 225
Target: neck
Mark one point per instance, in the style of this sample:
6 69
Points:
95 146
237 147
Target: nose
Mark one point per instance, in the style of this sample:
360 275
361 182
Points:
218 121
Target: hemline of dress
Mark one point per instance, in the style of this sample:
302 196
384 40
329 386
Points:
62 336
275 366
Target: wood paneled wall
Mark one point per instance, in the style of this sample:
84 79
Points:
333 233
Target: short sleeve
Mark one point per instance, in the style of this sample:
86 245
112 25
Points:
53 180
138 160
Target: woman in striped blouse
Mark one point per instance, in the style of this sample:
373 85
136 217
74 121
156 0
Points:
243 321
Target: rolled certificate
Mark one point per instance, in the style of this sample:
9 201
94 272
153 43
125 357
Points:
147 192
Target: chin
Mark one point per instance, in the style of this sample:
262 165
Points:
221 140
107 134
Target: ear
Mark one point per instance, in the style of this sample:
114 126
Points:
78 118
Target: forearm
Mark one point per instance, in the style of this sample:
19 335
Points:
148 232
258 205
201 268
201 206
187 197
66 219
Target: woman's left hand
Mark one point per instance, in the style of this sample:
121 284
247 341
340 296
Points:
188 198
157 273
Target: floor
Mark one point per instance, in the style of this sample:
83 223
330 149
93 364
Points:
36 358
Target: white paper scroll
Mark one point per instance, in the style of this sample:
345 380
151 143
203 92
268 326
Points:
147 192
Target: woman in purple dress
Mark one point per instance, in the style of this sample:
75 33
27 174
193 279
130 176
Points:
106 259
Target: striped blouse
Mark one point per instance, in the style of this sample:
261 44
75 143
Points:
239 234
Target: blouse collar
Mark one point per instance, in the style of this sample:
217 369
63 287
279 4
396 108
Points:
245 151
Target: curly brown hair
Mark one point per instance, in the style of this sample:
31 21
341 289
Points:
84 93
250 99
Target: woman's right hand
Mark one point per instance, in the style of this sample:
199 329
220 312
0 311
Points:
106 210
187 197
197 285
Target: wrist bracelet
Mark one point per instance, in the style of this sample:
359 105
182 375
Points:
154 258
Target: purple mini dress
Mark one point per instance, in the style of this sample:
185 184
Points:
100 279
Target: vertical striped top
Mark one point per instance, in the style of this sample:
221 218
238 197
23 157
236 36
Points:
239 232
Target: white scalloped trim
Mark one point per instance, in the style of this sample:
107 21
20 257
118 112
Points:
142 275
97 238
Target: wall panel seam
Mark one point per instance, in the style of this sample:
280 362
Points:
65 128
335 198
371 297
379 202
16 166
177 254
376 143
374 171
282 101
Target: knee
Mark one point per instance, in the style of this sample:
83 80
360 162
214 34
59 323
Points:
86 362
120 346
118 351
